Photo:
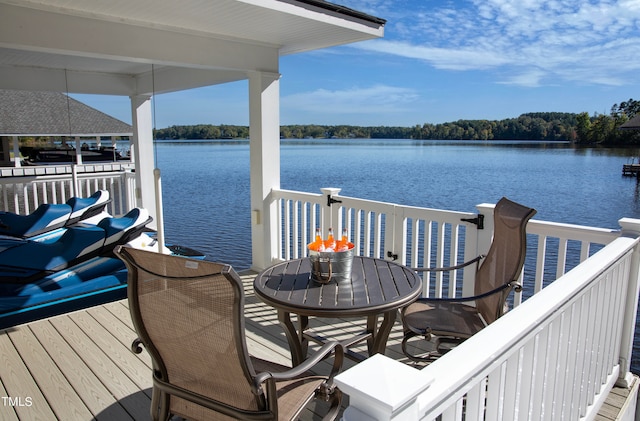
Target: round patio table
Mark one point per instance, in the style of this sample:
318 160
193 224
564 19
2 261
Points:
376 287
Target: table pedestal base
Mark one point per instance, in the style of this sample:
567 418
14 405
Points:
299 337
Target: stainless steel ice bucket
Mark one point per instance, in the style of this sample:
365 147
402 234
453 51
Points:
331 265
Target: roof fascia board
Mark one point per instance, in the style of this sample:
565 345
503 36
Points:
342 11
311 10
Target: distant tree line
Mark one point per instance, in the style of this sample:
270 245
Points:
530 126
202 131
579 128
605 129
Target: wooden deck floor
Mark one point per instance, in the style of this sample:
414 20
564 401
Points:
78 366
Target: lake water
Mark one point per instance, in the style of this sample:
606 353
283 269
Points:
206 183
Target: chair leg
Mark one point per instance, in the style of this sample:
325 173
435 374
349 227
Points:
159 405
429 357
335 400
449 341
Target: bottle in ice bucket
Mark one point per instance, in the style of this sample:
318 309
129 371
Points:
330 244
318 244
344 244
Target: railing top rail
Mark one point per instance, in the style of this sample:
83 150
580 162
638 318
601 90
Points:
575 232
62 176
36 170
292 194
409 210
437 214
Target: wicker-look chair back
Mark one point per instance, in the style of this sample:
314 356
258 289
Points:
189 315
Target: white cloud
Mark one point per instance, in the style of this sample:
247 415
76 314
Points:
531 78
378 98
443 58
528 42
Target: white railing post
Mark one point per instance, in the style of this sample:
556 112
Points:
382 389
484 239
130 193
159 212
74 179
629 228
330 214
485 235
396 241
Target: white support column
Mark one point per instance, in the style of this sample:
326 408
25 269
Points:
264 119
78 147
17 162
144 154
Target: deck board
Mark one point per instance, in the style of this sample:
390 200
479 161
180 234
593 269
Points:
79 376
19 383
80 366
63 399
108 372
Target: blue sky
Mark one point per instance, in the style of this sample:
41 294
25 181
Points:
439 61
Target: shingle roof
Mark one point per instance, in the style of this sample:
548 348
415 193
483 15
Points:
28 113
633 123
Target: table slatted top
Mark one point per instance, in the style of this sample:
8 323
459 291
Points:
375 286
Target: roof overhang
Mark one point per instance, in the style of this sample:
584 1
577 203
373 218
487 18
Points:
136 48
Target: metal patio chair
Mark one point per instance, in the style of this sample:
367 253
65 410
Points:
452 320
189 315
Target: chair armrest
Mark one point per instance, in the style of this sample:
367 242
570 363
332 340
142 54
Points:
509 285
449 268
306 365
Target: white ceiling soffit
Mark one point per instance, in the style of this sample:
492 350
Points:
108 46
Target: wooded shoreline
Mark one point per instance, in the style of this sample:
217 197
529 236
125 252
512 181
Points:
545 126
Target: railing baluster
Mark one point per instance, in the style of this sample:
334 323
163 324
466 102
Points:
306 233
295 243
539 376
25 192
35 195
415 241
494 394
476 402
562 257
358 221
5 198
440 259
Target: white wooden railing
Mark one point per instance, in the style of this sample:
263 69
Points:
425 237
24 189
556 356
